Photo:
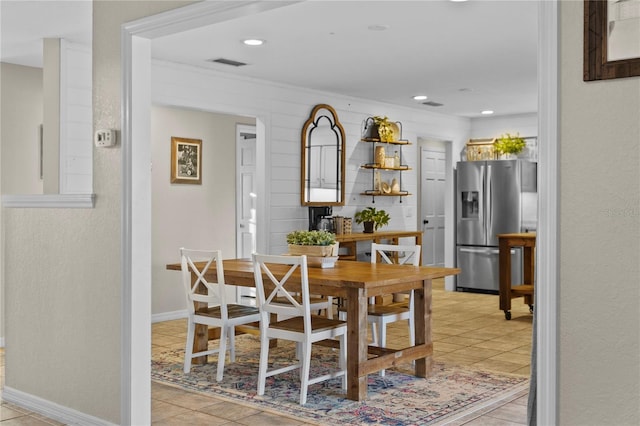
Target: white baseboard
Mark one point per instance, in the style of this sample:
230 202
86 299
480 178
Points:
168 316
50 409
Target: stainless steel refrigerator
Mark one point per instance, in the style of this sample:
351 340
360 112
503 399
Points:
492 197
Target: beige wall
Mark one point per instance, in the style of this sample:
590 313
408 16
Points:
70 259
193 216
21 118
599 303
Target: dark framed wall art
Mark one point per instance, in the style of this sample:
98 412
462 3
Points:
611 39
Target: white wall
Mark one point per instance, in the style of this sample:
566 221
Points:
193 216
76 119
493 127
599 241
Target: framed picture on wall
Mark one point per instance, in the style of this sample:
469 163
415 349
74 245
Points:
611 42
186 160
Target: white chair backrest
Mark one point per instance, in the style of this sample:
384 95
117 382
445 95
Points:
215 291
279 270
411 253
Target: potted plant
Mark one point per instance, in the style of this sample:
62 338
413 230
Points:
508 144
312 243
372 219
385 128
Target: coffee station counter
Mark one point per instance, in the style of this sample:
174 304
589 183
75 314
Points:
350 241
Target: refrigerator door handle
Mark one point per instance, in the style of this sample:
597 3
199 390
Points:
483 250
489 204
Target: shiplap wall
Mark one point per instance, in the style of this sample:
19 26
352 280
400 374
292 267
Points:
283 110
76 118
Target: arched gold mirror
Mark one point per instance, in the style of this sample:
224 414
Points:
323 159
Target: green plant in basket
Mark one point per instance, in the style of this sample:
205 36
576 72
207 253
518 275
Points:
311 238
509 144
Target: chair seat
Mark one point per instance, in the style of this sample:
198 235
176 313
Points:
318 323
234 311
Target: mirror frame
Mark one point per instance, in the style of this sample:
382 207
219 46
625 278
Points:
318 113
596 65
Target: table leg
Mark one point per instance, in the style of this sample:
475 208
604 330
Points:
504 262
528 271
422 317
357 343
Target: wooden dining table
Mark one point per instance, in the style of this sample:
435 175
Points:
356 282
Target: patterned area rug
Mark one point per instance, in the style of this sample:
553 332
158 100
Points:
397 399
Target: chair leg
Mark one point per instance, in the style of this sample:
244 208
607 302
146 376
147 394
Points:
383 340
343 360
232 344
305 362
222 352
188 351
264 361
374 334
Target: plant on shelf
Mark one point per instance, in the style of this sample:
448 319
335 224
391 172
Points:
509 144
372 219
385 128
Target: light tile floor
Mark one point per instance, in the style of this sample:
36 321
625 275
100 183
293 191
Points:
468 329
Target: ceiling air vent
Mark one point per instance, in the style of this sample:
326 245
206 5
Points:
431 103
227 62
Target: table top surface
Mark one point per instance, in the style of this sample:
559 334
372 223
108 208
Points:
345 273
518 235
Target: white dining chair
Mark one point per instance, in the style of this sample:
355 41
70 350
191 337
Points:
214 310
299 326
381 315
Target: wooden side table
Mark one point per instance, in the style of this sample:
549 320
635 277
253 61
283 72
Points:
350 241
507 290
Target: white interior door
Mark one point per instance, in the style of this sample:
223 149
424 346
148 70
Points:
246 202
246 191
432 205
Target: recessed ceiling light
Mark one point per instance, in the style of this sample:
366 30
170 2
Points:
378 27
420 97
253 42
487 112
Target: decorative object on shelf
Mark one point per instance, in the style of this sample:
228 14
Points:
396 160
385 188
379 128
509 144
385 131
377 183
380 156
320 247
372 219
389 162
480 149
395 186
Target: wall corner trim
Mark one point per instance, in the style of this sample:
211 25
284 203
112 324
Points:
64 201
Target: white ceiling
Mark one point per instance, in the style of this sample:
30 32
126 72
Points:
469 56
